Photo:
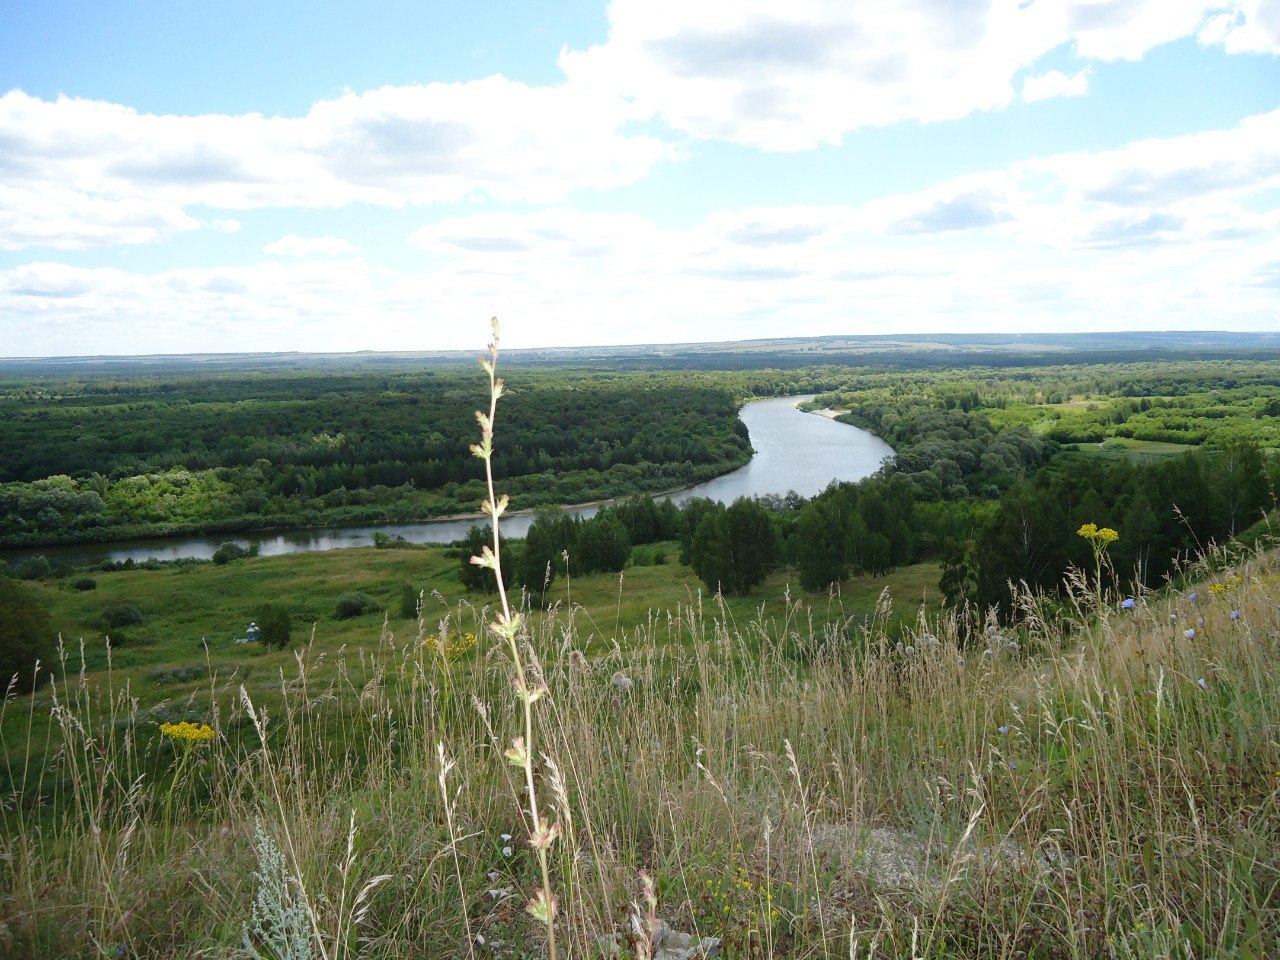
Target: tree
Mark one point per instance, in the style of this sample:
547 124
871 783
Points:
550 535
602 545
25 634
820 547
733 550
477 578
274 625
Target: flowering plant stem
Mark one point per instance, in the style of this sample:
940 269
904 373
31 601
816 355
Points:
507 627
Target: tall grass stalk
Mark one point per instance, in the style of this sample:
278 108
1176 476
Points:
508 627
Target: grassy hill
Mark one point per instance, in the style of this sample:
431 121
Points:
776 772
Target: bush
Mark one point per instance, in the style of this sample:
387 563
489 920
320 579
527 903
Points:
409 602
121 615
274 625
84 583
228 552
25 635
354 604
33 568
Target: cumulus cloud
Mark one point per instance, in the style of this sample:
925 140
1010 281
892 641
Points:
1176 232
296 246
127 177
1055 83
790 77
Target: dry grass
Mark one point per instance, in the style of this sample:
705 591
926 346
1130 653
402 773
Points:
1085 795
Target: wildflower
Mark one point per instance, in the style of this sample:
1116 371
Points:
1192 596
1128 603
1012 765
622 681
1235 614
187 732
1203 685
1190 634
1004 728
1098 538
507 851
505 837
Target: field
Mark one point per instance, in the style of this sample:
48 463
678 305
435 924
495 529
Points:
192 613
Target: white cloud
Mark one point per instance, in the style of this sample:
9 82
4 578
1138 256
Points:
790 77
1055 83
1177 232
226 226
126 177
296 246
1249 26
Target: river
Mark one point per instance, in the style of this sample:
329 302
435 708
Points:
793 451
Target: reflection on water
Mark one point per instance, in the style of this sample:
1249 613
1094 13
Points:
793 451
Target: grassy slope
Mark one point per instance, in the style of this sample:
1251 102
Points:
1106 789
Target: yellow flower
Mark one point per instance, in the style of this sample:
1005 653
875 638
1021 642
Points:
1096 536
187 731
457 646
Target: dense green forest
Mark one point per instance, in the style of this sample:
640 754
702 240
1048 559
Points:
97 459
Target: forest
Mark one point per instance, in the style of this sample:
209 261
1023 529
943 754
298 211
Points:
93 459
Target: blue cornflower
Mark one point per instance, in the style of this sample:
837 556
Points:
1128 603
1190 634
1004 728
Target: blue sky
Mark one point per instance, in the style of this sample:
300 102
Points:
286 176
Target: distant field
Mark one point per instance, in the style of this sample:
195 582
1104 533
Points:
1115 448
166 662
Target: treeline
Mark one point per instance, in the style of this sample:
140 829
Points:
1165 512
104 461
1186 403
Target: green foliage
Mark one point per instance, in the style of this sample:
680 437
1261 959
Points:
735 548
275 626
198 452
480 579
26 635
32 568
353 605
228 552
120 615
409 597
84 583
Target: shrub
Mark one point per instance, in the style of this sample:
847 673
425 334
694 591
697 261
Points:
33 568
121 615
274 625
228 552
354 604
84 583
409 602
25 635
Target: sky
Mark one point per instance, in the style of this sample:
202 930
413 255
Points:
279 175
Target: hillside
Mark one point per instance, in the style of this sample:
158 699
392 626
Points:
1097 783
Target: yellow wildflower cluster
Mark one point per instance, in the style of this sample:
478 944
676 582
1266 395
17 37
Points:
187 731
1098 537
455 646
1232 581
